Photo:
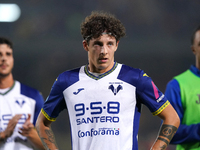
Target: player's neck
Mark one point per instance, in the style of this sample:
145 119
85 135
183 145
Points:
197 64
93 69
6 82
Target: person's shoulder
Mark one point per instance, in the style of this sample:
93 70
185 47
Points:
25 87
67 78
181 74
69 73
173 83
128 70
28 90
131 69
130 74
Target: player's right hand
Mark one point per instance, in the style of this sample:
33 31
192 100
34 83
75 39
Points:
11 125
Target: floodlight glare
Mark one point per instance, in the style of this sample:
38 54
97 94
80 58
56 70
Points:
9 12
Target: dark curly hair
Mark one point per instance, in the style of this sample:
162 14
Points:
4 40
94 25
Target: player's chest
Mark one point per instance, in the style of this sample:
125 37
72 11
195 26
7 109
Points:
15 104
91 97
12 105
100 90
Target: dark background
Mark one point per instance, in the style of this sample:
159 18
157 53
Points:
47 41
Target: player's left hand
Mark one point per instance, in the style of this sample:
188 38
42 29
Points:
27 127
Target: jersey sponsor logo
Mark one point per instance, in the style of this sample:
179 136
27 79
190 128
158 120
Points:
75 93
116 89
158 100
95 110
5 118
98 119
98 132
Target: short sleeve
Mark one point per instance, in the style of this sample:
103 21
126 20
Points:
150 95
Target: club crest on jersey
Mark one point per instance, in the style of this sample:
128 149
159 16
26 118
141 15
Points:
20 102
114 89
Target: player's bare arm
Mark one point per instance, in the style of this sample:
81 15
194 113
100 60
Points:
166 134
169 127
10 128
43 127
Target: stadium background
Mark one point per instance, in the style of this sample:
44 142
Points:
47 41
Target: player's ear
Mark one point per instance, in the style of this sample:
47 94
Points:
85 45
193 49
117 43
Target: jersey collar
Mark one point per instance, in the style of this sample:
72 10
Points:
8 89
102 75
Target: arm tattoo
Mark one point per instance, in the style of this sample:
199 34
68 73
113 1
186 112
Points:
168 131
163 147
42 138
45 144
50 136
164 140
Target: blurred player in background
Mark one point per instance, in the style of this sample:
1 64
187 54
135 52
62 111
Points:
104 97
183 92
19 106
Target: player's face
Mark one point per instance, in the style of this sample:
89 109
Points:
101 53
6 60
196 47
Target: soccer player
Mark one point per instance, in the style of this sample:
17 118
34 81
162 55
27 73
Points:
104 97
19 106
183 92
